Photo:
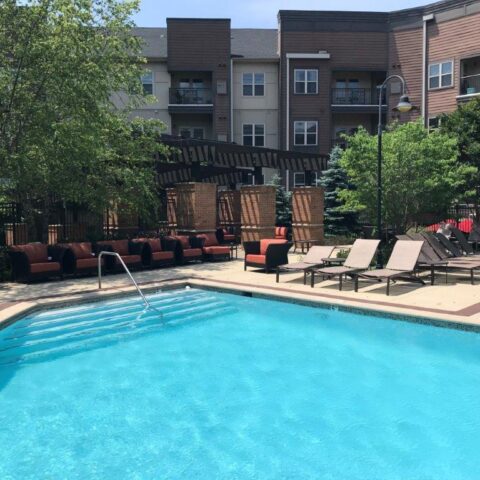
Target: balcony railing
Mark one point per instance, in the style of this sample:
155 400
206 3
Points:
470 84
190 96
355 96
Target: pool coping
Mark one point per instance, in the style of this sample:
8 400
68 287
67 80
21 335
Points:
458 320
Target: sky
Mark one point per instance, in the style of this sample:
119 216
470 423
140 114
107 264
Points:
254 13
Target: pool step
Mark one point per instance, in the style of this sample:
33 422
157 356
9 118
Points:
44 335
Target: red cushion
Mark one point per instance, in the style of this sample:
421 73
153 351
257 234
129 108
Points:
192 252
155 244
162 255
120 246
184 240
84 263
131 259
229 238
281 232
216 250
44 267
35 252
81 250
210 239
268 241
262 259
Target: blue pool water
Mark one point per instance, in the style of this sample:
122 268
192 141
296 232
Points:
230 387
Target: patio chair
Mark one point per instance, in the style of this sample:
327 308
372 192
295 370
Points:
130 252
80 258
464 243
281 233
359 259
314 258
266 254
155 252
35 261
225 236
189 249
400 266
211 248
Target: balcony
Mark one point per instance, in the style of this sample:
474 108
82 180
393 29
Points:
190 100
470 85
356 100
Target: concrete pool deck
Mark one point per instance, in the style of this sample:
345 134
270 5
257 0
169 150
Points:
457 302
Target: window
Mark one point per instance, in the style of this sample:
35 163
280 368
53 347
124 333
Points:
192 132
440 75
299 179
147 83
254 134
253 84
306 133
306 81
433 123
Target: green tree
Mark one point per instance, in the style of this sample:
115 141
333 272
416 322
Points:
421 174
338 220
63 134
283 202
464 124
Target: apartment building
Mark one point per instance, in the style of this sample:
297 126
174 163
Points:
299 87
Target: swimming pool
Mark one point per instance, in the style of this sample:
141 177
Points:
231 387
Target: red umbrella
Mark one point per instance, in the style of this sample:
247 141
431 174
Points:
465 225
436 226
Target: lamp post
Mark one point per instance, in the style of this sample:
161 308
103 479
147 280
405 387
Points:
403 106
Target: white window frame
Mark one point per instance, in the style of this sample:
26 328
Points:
253 84
253 135
305 82
305 133
148 73
315 176
441 74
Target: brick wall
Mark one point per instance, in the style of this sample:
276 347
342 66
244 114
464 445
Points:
229 209
257 212
172 210
307 213
196 207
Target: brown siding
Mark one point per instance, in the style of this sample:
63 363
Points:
203 45
355 50
451 40
405 58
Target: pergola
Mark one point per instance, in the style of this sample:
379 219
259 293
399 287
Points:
228 163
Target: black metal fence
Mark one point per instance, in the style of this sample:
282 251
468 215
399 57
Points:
461 211
10 218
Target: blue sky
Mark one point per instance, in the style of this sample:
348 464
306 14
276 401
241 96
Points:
254 13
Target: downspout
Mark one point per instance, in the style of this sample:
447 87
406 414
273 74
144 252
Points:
287 116
426 19
231 101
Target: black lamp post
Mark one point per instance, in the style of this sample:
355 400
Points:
403 106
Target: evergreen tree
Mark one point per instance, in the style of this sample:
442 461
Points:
338 221
283 203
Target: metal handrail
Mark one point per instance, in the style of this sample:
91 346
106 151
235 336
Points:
115 254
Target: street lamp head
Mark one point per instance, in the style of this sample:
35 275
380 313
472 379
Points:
404 104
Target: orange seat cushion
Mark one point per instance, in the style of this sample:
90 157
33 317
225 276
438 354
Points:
155 244
216 250
45 267
162 255
229 238
83 263
268 241
131 258
193 252
261 259
281 232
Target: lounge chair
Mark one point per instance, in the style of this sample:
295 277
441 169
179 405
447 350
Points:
400 266
359 259
211 249
464 243
314 258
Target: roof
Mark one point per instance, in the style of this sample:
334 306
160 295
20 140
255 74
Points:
254 43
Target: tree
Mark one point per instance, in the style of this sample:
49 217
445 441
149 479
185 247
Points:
338 220
421 174
283 202
464 124
61 135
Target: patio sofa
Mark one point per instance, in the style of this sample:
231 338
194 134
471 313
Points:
79 258
189 249
35 261
211 248
156 252
130 252
266 254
